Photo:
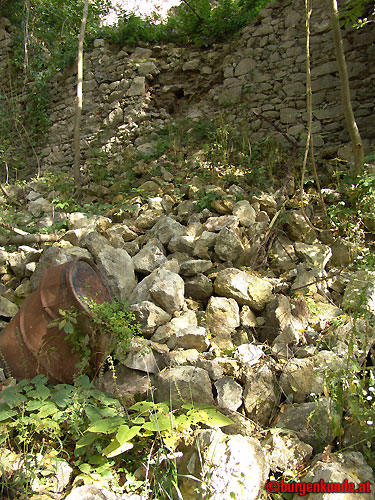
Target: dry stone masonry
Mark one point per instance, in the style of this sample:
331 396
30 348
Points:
131 93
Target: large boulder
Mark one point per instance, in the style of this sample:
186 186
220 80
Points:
245 288
117 268
222 318
233 467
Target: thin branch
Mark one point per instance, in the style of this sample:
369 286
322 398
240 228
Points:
193 10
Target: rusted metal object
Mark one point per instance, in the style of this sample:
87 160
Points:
31 346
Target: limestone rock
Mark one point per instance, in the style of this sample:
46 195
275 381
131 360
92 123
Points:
245 213
245 288
216 224
95 243
149 316
261 395
149 258
7 308
193 267
311 422
233 467
349 466
204 243
128 382
298 229
199 287
359 294
316 255
302 377
194 337
185 320
248 354
168 291
184 383
222 318
228 245
118 270
229 393
286 451
165 228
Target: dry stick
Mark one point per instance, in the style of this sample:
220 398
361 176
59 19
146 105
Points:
309 141
20 239
5 192
13 228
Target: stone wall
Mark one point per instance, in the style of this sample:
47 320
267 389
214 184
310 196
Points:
130 93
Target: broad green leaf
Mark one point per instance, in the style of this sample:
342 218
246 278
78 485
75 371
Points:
137 420
158 422
5 414
107 425
142 406
41 392
85 468
115 448
68 328
93 413
82 381
49 408
63 397
126 433
39 379
34 405
86 440
12 398
216 418
98 460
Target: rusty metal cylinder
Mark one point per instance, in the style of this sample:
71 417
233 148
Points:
29 345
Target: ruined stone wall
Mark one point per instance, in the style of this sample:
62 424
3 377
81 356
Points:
130 93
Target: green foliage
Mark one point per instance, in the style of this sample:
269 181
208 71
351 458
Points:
352 213
357 13
114 319
92 431
203 23
109 319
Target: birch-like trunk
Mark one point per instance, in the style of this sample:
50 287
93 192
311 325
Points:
79 101
351 124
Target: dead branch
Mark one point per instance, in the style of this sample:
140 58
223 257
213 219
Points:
21 239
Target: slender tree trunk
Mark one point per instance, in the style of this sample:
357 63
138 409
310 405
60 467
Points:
345 90
77 118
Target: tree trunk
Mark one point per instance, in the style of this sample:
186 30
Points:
345 90
77 118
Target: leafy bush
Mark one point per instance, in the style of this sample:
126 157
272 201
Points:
91 430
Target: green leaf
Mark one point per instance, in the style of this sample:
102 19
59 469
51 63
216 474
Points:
5 414
143 406
82 381
158 422
47 409
41 392
34 405
115 448
85 468
39 379
63 397
216 418
86 440
12 398
107 425
93 413
68 328
126 433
